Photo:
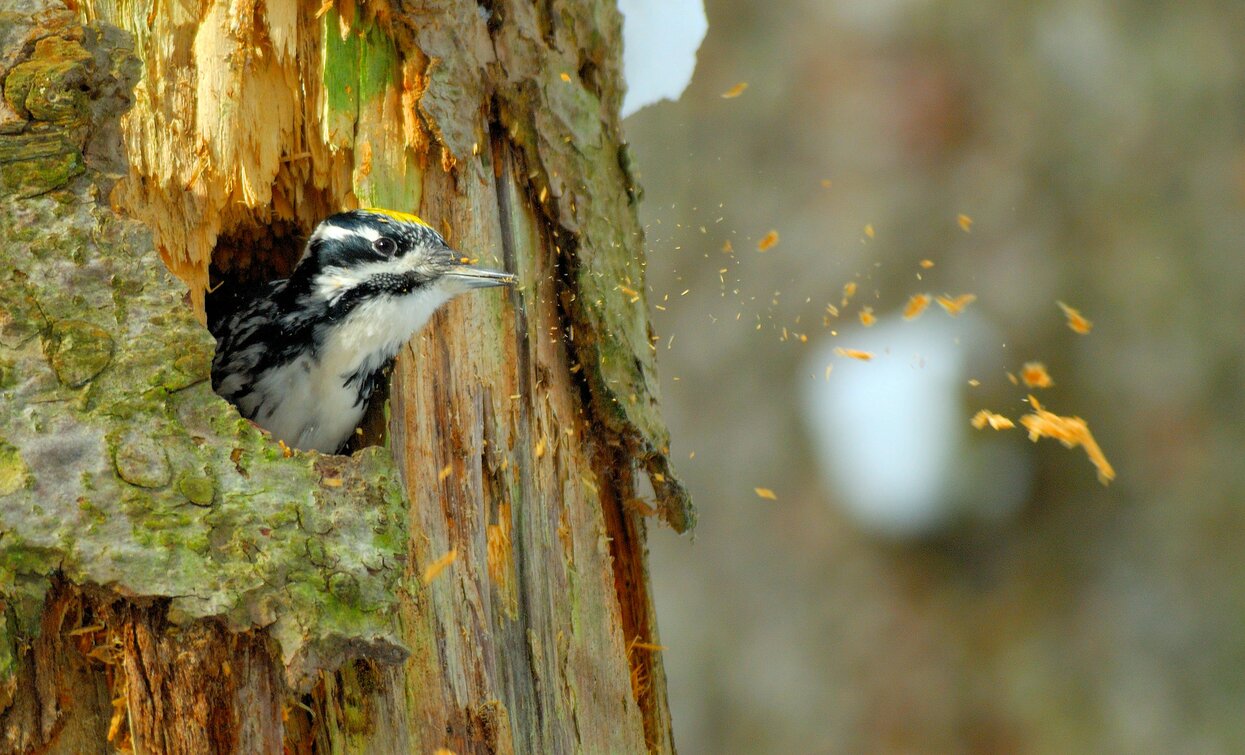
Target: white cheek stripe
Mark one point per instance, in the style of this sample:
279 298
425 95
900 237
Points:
326 232
337 233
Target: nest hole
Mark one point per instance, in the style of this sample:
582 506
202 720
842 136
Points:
249 256
246 258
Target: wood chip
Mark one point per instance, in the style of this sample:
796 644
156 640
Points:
849 290
735 91
1034 375
1071 432
996 421
768 241
1076 320
915 306
436 567
863 356
766 493
966 223
955 305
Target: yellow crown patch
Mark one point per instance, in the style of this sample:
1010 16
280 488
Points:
404 217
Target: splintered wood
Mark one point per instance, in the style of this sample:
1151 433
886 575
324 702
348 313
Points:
272 134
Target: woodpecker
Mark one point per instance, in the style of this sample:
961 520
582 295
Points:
303 356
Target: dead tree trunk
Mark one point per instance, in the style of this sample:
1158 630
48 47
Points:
473 577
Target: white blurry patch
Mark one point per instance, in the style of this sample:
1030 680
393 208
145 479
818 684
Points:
892 435
660 39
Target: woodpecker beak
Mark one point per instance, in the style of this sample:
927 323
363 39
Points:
478 277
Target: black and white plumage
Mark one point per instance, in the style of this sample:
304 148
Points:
302 358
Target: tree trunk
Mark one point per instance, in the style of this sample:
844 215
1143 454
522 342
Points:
473 578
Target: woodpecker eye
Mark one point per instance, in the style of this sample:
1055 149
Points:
385 246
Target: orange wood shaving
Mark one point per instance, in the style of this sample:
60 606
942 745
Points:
863 356
996 421
915 306
436 567
1034 375
1076 320
956 305
768 242
1071 432
735 91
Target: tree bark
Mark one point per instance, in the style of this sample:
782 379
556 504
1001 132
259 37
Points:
473 578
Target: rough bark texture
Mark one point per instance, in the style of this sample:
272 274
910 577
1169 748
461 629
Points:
171 581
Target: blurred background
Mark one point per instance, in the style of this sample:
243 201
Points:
914 584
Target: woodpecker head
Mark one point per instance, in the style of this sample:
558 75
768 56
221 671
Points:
362 255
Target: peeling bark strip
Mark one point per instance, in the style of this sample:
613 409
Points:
106 672
236 678
269 585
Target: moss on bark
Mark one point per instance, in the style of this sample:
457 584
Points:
118 465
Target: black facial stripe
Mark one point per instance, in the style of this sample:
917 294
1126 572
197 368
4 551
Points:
382 284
